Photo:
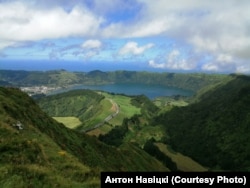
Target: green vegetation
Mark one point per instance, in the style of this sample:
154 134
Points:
134 128
30 158
148 109
38 151
214 130
141 132
115 136
86 105
127 109
169 133
70 122
171 101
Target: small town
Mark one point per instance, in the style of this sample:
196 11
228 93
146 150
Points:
34 90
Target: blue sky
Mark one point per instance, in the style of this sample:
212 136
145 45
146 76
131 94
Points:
165 35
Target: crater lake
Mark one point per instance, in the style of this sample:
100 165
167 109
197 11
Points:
149 90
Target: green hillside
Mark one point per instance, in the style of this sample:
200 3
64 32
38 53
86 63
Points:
86 105
38 151
214 130
89 108
130 125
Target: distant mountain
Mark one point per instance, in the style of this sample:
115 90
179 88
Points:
214 130
30 78
37 151
97 73
190 81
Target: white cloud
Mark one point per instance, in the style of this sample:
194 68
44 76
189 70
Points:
134 49
5 43
156 65
224 58
92 44
211 27
89 54
26 23
229 67
175 61
243 68
90 48
222 63
204 44
220 29
210 67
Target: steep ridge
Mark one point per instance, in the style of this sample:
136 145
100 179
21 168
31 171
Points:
214 131
37 150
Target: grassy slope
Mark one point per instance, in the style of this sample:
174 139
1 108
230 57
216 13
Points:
70 122
45 153
31 158
126 110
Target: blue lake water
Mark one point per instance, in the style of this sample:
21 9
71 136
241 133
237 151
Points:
151 91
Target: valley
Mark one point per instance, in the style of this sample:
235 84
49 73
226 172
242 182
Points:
97 129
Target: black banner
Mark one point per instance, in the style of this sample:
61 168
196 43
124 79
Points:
175 179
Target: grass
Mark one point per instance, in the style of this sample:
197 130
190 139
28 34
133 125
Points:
183 163
106 111
51 167
127 110
70 122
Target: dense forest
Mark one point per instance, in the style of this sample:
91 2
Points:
215 130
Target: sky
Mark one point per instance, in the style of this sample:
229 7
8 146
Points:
163 35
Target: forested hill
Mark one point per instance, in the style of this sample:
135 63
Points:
190 81
37 151
216 130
